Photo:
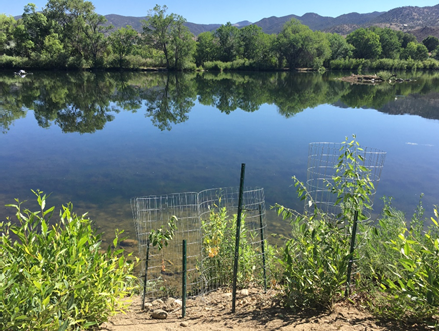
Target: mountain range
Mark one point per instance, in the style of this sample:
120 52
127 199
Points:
421 21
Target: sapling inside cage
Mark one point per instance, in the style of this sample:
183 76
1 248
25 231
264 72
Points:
207 221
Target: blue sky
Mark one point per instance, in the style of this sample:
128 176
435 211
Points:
208 11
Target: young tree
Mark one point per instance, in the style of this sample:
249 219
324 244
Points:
168 34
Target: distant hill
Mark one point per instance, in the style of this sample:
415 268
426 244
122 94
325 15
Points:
424 32
421 21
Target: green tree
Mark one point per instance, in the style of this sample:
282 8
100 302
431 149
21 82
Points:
229 42
415 51
431 43
390 43
168 34
405 38
366 44
95 41
340 48
7 26
52 46
80 29
253 42
122 42
32 34
206 48
302 47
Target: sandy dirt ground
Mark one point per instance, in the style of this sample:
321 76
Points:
254 310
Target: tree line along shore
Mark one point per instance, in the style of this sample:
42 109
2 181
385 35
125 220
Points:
71 35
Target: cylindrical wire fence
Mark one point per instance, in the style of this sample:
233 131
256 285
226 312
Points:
206 221
322 160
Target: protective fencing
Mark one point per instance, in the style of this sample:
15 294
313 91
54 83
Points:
322 160
207 221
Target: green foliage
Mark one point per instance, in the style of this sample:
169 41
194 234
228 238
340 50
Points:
415 51
55 276
340 49
206 49
229 42
219 233
366 44
302 47
161 237
404 262
122 43
390 43
315 259
168 34
352 183
431 43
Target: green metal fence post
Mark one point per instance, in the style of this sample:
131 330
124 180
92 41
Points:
263 248
183 310
238 232
351 253
146 274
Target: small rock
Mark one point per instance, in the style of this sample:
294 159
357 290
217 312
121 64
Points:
148 305
227 295
157 302
179 302
159 314
244 292
170 302
184 324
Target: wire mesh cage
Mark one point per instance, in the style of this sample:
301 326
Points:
322 160
207 221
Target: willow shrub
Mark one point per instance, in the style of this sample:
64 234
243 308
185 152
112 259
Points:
54 275
404 262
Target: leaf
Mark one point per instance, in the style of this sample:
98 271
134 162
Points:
64 326
46 301
83 240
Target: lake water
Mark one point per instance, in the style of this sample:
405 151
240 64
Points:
100 139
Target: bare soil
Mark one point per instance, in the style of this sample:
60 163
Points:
254 310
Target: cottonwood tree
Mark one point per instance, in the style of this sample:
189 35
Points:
168 34
302 47
366 44
123 41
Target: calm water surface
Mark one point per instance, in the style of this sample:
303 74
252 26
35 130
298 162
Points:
100 139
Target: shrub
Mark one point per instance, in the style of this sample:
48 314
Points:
219 233
54 276
405 267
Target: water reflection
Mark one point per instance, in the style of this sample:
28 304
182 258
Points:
85 102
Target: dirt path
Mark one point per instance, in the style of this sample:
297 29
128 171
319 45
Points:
254 310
